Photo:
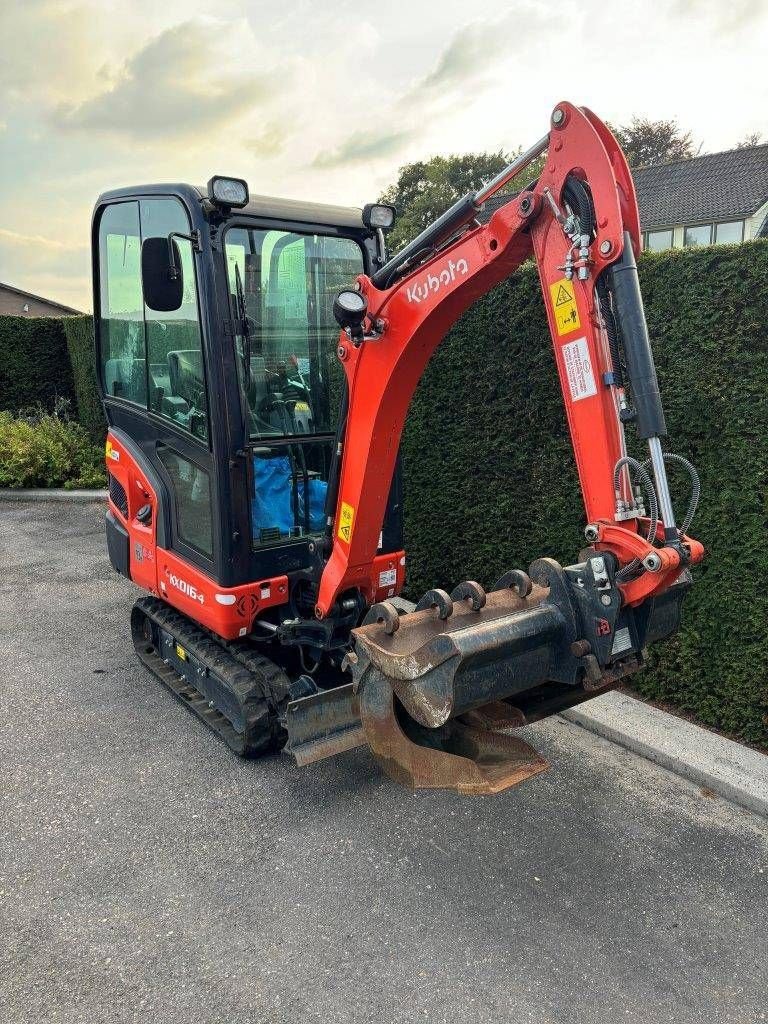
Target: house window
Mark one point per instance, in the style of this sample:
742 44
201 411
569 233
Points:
729 231
698 234
656 241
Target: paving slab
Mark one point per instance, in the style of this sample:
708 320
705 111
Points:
728 768
27 494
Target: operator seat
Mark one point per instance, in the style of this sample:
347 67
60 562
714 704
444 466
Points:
187 380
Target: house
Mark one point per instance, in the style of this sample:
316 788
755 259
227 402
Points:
710 199
707 200
15 302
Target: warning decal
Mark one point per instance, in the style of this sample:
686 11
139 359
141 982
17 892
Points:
564 306
346 519
578 369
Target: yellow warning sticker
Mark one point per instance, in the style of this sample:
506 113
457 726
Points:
180 652
346 519
564 306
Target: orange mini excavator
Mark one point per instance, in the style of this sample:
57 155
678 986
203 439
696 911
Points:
254 483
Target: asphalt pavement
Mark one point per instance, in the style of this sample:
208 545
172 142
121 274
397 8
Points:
147 875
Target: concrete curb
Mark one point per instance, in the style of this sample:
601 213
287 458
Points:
51 494
729 769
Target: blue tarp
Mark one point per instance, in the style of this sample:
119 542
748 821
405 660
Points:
272 502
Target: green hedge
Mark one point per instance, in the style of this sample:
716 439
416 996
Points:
491 483
34 365
78 331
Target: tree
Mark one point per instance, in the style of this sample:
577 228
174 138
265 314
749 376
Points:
646 143
426 188
752 139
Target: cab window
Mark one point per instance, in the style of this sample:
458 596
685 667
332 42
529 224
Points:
151 358
282 286
121 320
174 345
285 283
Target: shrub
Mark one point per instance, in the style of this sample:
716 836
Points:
40 449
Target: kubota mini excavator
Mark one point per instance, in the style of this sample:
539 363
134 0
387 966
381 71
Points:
254 482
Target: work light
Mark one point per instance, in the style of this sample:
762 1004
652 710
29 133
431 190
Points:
379 216
349 309
228 191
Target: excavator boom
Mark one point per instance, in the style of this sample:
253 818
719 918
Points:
438 691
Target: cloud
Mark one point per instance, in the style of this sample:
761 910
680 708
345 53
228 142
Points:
177 84
47 48
464 68
724 19
466 59
44 252
46 266
269 142
473 55
364 145
18 238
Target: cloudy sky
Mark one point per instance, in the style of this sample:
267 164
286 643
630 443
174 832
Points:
325 100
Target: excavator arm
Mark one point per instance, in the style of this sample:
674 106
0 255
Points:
438 692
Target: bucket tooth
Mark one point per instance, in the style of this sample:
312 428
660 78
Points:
515 579
384 614
470 592
437 599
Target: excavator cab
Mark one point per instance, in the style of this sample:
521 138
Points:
256 359
218 371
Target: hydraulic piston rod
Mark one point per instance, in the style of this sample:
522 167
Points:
510 171
462 212
651 425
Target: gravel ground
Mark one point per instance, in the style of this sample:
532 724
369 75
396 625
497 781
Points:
146 875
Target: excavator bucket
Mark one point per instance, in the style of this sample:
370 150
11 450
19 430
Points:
439 693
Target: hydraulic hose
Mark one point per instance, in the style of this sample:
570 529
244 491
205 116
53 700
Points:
578 198
693 504
612 333
628 571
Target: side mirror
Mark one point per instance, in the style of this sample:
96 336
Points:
162 280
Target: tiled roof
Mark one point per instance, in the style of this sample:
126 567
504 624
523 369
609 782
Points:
38 298
717 186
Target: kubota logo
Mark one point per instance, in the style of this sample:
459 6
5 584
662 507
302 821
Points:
434 282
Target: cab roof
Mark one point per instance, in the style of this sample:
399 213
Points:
267 207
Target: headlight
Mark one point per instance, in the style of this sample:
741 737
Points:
228 191
379 216
349 309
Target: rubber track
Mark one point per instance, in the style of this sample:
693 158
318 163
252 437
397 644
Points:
258 686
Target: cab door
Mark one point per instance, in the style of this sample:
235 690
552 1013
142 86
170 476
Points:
153 377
